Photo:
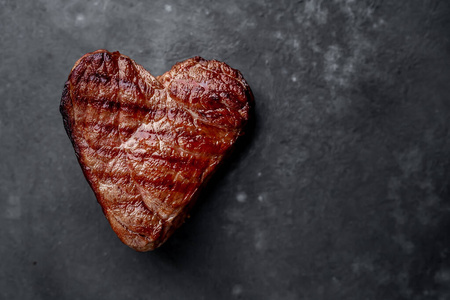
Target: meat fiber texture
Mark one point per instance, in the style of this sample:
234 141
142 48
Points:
148 145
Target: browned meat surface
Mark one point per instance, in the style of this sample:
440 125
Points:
147 145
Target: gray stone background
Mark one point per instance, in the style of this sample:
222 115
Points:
341 191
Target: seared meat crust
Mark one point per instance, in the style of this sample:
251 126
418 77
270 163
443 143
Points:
147 145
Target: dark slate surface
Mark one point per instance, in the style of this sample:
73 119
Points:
341 193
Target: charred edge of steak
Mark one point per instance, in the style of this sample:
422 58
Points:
65 109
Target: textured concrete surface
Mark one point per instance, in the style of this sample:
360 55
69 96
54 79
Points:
341 193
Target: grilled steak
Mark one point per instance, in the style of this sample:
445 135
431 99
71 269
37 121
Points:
147 145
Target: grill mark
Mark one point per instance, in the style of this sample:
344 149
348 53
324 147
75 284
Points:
236 87
122 181
236 77
102 137
175 161
107 151
84 75
168 137
150 185
143 112
107 128
151 201
165 184
119 83
93 163
172 158
104 103
180 161
172 165
170 201
199 115
155 166
198 143
174 173
104 155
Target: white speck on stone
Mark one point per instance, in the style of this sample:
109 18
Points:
260 198
79 19
294 78
237 290
259 174
241 197
168 8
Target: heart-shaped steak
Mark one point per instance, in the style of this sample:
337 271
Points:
147 145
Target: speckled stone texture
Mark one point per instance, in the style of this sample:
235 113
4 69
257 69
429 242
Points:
340 192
